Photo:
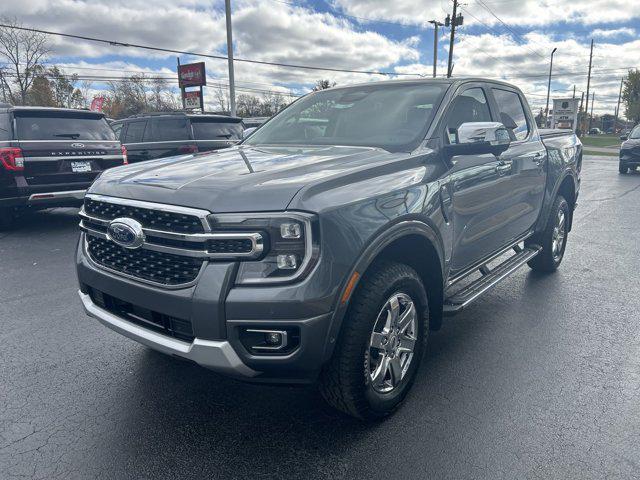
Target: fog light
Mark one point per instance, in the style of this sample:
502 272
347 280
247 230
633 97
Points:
287 262
273 338
290 230
262 339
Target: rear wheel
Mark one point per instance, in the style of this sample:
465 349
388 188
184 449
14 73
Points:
553 239
381 343
622 168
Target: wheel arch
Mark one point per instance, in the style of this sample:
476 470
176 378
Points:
397 243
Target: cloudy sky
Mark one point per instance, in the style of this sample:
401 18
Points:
504 39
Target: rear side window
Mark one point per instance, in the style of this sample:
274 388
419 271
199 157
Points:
62 126
204 129
117 129
167 129
512 113
5 126
134 132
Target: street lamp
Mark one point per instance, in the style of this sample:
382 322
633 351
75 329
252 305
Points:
546 110
435 24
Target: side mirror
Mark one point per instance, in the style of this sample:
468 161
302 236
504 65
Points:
624 137
478 138
248 131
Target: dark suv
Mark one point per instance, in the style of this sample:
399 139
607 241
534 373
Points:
50 156
630 151
156 135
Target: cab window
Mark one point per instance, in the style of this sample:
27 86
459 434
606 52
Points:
469 106
512 113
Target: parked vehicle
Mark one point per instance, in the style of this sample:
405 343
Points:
327 244
50 156
254 122
630 151
595 131
156 135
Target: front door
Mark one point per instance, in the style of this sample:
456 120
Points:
479 186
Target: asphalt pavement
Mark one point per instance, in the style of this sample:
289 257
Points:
538 379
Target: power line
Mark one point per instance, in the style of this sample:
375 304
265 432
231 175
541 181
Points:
486 7
205 55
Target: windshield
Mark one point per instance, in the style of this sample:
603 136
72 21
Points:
393 116
635 133
62 126
205 129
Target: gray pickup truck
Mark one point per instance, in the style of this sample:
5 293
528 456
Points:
327 245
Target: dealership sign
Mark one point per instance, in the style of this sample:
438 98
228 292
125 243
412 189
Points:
192 75
96 104
565 113
192 99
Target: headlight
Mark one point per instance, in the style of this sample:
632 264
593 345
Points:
290 244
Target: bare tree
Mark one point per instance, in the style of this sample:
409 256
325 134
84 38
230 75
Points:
85 90
21 53
323 85
222 99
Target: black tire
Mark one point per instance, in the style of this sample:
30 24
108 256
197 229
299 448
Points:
546 260
345 382
6 218
622 168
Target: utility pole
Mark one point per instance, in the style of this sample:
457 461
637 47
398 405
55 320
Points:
574 92
546 111
232 86
593 100
455 20
181 87
615 122
435 24
586 108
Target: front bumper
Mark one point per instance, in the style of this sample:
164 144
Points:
216 355
218 311
630 157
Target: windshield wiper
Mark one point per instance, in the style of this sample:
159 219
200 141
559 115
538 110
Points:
72 136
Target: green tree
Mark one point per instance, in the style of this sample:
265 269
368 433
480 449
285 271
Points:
631 96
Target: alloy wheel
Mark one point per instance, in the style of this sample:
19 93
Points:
392 343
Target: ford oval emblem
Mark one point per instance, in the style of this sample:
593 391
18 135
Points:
77 145
126 232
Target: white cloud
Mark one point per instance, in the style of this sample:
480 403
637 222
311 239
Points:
524 12
616 32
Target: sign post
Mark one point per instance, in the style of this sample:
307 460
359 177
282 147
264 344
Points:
565 113
192 75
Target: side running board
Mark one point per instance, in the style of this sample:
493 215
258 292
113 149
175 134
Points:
455 302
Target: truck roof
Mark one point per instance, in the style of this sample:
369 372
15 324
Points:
217 116
5 108
450 81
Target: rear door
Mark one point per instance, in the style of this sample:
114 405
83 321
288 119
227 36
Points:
211 133
62 147
131 137
526 159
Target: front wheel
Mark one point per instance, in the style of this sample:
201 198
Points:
553 239
380 345
622 168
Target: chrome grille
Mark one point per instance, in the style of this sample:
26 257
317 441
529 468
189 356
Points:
158 267
155 219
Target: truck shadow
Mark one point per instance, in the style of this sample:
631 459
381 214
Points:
52 220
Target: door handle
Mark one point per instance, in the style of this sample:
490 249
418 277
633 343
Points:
503 168
539 158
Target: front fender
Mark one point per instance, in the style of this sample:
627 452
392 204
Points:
402 228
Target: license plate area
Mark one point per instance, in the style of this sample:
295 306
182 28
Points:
80 167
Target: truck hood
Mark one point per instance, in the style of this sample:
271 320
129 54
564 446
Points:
236 179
